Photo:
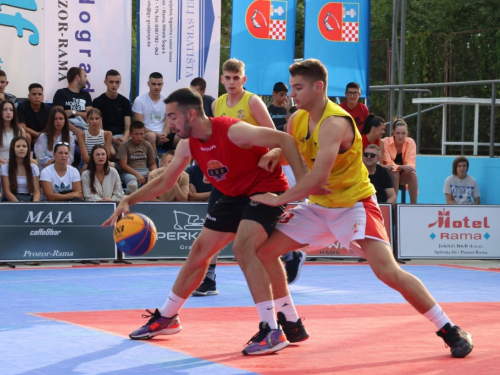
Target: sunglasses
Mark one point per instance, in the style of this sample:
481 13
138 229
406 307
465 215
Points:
369 155
62 143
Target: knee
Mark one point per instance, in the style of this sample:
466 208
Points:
195 261
390 277
132 186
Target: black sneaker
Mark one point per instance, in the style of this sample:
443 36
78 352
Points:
293 267
206 288
459 341
294 331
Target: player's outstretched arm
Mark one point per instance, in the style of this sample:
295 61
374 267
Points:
157 186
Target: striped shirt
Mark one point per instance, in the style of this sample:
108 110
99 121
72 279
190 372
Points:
91 141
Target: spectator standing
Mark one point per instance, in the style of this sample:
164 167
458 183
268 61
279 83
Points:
180 191
277 109
372 132
33 113
357 110
116 110
20 177
61 182
460 188
136 158
379 176
9 128
100 181
3 84
400 154
200 85
57 130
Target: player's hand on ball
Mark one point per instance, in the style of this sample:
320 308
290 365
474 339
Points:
268 199
122 208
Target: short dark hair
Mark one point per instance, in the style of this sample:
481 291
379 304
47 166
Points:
155 75
371 121
459 159
73 73
311 69
186 99
2 73
35 86
199 82
136 125
352 85
280 87
111 72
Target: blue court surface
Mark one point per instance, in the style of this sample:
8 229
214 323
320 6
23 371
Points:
63 321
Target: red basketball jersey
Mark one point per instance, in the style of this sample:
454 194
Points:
232 169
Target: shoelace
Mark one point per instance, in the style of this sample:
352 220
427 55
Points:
258 337
151 315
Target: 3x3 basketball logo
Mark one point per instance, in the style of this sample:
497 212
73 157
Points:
217 170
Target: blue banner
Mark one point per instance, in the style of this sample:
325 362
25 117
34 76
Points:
263 37
338 34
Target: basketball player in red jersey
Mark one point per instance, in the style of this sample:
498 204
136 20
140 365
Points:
230 153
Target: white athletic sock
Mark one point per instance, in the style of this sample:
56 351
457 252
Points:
267 314
172 306
437 316
286 306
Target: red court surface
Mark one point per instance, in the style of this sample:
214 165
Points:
345 339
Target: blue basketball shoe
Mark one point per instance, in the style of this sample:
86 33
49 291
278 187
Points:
157 325
266 341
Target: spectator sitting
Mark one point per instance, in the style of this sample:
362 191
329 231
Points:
357 110
57 130
460 188
60 181
33 113
200 85
20 178
379 176
116 110
3 84
100 181
9 128
199 187
400 154
94 135
277 109
180 191
372 132
134 157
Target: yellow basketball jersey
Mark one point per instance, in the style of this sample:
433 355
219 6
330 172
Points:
240 111
348 178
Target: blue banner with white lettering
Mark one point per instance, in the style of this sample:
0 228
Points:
338 34
263 37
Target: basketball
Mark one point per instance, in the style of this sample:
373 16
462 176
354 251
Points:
135 234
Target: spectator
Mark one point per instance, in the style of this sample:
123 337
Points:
200 85
136 157
199 187
150 110
357 110
60 181
116 110
379 176
372 132
33 113
94 135
57 130
9 128
277 109
100 181
3 84
180 191
20 178
400 154
74 100
460 188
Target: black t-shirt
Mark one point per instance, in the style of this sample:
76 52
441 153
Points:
72 100
33 120
113 112
278 115
196 178
382 180
207 105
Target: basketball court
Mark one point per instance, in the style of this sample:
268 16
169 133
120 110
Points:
76 320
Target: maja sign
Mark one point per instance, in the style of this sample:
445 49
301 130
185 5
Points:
457 232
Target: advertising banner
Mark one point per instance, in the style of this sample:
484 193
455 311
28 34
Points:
181 40
94 35
55 231
177 226
263 37
448 232
338 34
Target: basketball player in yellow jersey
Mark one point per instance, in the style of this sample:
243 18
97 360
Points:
342 203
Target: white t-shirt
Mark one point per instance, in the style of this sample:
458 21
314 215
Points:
464 190
152 113
60 184
6 140
22 181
